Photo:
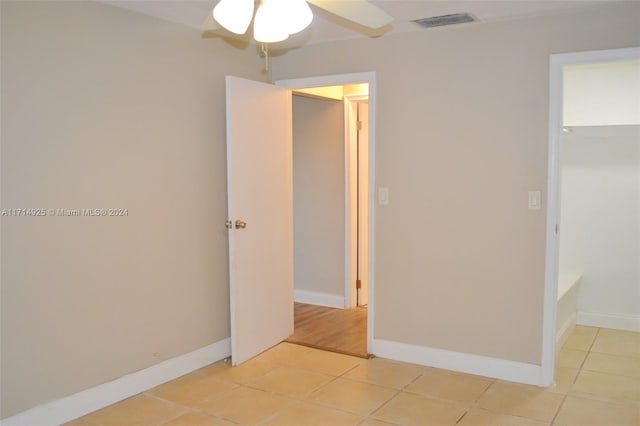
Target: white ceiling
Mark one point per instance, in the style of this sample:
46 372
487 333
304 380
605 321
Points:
326 27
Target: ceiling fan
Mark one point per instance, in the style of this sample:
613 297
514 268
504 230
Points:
275 20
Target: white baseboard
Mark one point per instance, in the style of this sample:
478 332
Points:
563 333
89 400
456 361
606 320
317 298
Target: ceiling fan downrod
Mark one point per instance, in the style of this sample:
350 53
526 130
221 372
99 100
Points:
264 53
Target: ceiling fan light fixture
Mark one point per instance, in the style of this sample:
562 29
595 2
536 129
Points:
297 15
234 15
268 23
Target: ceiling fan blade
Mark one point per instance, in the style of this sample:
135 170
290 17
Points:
210 24
359 11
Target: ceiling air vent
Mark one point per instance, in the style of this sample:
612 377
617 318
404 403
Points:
439 21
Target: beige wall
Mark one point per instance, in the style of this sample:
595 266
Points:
106 108
319 195
462 124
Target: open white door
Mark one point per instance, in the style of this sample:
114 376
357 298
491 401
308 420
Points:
260 199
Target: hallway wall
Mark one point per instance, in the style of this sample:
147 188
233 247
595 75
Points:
319 196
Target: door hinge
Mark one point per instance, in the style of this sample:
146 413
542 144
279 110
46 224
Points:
556 229
358 284
359 125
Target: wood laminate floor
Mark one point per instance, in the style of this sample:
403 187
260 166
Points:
332 329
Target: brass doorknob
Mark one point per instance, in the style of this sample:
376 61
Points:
241 224
228 224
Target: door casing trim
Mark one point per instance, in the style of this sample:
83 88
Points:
342 79
351 176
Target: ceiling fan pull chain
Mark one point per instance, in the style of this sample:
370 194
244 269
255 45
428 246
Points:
265 54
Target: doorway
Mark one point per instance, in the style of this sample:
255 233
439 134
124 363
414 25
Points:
331 216
571 132
260 213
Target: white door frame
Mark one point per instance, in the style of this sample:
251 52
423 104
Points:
351 239
337 80
557 62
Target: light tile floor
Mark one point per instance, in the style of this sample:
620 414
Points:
597 383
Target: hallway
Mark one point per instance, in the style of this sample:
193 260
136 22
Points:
332 329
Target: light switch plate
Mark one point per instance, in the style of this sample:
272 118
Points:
383 196
534 200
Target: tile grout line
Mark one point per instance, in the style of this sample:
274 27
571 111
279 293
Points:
341 376
575 379
412 381
398 392
590 349
594 396
564 396
555 415
474 404
462 417
290 403
303 398
184 407
373 418
187 409
349 370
